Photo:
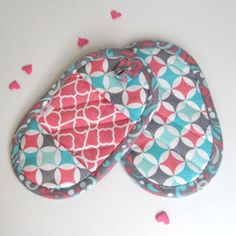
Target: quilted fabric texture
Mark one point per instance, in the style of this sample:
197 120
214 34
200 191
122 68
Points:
147 105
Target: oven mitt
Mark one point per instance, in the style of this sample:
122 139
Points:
180 150
85 124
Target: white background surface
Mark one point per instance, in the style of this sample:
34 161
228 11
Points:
44 33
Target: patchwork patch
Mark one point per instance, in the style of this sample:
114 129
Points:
84 122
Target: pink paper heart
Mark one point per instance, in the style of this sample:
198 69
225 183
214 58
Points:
163 217
82 42
27 69
115 14
14 85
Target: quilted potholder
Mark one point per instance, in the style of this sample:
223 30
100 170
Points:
180 150
85 124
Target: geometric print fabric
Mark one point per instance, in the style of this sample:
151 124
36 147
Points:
178 139
44 163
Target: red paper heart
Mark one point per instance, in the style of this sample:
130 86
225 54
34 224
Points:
115 14
14 85
163 217
27 69
82 42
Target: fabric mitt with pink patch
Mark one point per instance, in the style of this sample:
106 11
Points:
85 123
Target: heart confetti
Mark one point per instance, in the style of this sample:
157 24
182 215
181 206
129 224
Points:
27 69
82 42
14 85
163 217
115 14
